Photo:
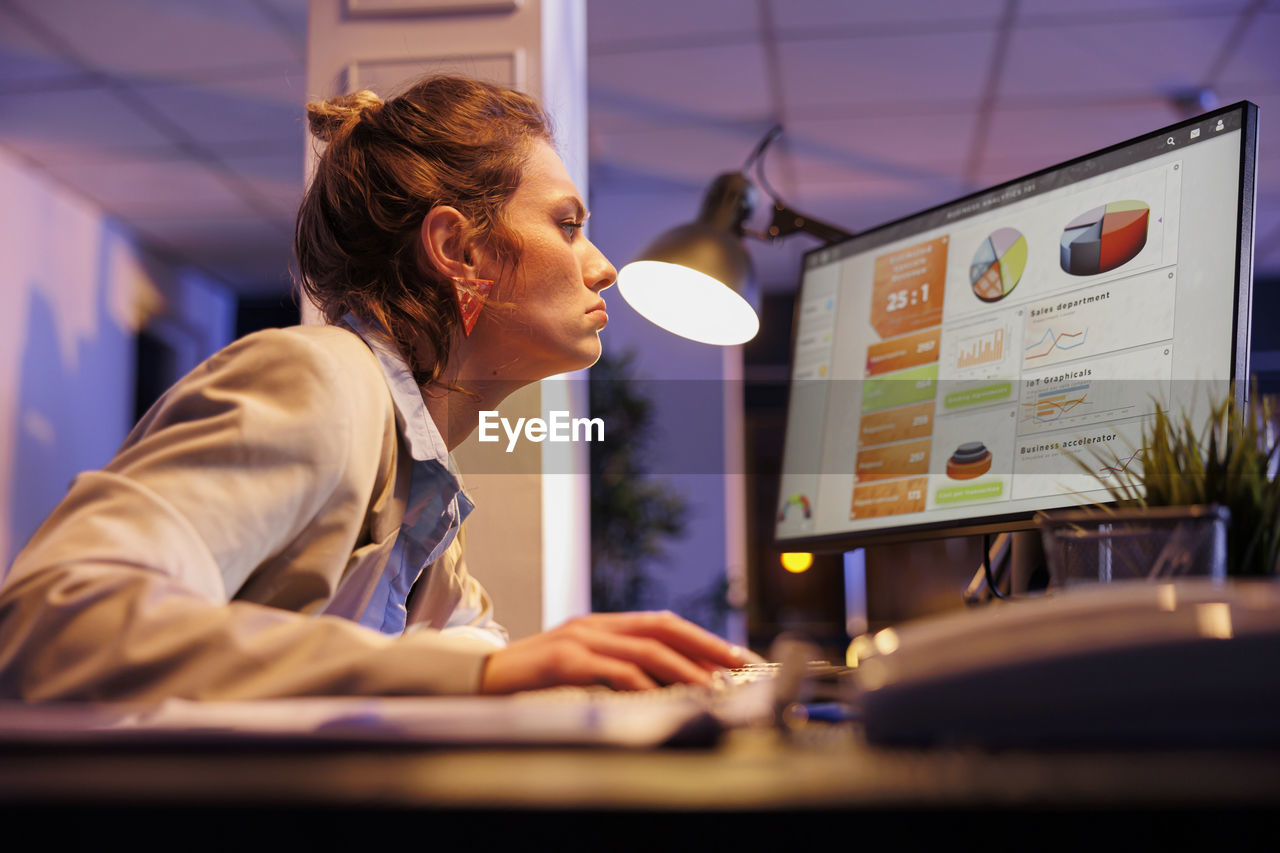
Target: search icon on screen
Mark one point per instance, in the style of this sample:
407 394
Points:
1169 141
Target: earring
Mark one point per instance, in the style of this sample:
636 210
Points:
471 294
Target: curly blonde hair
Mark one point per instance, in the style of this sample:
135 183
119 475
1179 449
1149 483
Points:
444 141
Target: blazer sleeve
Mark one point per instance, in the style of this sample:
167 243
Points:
125 592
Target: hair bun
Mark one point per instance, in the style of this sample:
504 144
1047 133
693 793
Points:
335 117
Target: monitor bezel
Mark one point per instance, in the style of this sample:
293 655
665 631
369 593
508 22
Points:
1025 520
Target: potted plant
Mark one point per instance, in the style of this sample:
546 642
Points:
1201 497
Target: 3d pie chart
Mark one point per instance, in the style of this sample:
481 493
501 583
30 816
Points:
998 264
971 459
1104 238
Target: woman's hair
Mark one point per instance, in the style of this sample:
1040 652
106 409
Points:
445 141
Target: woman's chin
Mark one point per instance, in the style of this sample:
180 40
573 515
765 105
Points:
584 357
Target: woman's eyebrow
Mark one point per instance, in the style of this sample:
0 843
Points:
580 212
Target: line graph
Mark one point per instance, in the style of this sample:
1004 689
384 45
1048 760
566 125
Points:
1120 467
1077 339
1051 406
1100 319
1071 405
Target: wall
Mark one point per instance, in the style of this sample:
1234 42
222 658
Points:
76 288
697 392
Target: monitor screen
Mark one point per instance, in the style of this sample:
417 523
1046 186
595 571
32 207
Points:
957 370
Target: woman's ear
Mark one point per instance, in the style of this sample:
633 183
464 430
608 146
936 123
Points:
443 230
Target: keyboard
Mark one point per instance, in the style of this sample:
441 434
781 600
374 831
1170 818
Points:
680 714
677 713
561 716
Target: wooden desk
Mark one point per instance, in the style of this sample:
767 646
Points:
825 775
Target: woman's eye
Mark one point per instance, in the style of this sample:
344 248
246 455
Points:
571 229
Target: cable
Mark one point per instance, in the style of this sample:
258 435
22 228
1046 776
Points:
757 159
992 584
773 133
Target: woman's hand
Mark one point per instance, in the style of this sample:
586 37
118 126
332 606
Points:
625 651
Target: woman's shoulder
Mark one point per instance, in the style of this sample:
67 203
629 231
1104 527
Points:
295 372
331 356
314 342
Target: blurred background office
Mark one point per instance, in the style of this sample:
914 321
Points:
152 154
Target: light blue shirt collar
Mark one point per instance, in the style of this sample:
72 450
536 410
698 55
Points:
419 430
436 505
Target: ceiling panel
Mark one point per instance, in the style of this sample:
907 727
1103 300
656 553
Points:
919 15
25 60
1256 60
619 113
290 17
872 198
276 178
180 39
220 113
816 181
1266 257
681 153
1034 138
614 25
730 83
937 141
1099 11
837 76
227 235
50 126
1088 62
180 188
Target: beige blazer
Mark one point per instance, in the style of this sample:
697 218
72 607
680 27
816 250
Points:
197 564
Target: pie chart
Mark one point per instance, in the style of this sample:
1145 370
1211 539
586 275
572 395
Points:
971 459
998 264
1104 238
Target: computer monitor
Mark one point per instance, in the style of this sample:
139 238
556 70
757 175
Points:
952 370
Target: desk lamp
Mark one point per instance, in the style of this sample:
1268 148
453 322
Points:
690 280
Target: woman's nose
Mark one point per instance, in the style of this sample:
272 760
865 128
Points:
602 275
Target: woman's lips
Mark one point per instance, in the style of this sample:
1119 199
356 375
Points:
598 312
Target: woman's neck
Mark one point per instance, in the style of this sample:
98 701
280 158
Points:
479 375
457 412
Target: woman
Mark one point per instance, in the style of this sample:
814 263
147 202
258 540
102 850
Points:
284 520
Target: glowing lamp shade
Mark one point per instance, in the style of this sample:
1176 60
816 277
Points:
688 303
796 561
691 278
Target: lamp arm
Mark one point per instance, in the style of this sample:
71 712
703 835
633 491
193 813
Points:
787 221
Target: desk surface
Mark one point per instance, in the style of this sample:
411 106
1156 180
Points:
752 771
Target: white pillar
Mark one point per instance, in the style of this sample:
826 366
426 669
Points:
528 540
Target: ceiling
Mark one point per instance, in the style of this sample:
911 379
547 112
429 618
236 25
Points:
889 107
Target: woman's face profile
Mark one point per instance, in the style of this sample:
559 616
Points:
556 310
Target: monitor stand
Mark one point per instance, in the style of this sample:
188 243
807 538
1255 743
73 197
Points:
1017 566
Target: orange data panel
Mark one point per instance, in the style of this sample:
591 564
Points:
893 460
908 289
896 424
901 353
892 498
